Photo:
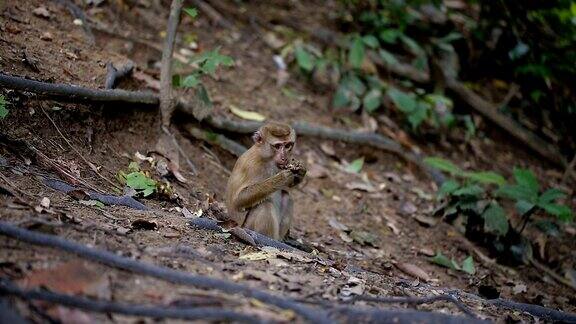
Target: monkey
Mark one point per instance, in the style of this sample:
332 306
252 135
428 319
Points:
257 194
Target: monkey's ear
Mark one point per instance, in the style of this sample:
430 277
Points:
257 137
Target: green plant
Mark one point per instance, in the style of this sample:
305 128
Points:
442 260
528 197
3 110
138 180
205 63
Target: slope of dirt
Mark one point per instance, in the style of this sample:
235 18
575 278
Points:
396 212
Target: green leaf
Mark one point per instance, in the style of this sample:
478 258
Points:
412 45
523 206
192 12
356 55
405 103
417 116
133 166
550 195
517 192
355 166
443 165
526 178
204 96
370 41
356 85
304 59
341 97
563 212
448 187
210 60
495 220
442 260
190 81
390 36
372 100
471 190
468 265
141 183
388 57
3 110
486 177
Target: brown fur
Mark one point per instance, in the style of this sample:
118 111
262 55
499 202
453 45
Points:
255 194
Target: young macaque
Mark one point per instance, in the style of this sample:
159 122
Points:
256 195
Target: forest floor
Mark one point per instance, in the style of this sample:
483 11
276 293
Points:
331 213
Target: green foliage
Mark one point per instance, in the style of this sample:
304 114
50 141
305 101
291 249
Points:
526 193
357 52
192 12
206 63
495 220
467 264
3 110
141 183
355 166
304 59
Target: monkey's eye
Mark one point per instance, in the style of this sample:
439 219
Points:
289 146
277 146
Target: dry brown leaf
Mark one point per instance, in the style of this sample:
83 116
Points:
413 270
328 148
337 225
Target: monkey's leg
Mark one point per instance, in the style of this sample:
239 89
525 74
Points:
285 208
261 219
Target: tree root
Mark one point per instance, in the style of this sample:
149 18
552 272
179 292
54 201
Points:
221 141
177 277
536 310
74 92
259 239
113 74
196 313
419 300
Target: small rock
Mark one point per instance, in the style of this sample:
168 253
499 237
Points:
41 12
408 208
47 36
78 22
45 202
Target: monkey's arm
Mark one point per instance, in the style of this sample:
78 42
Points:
256 193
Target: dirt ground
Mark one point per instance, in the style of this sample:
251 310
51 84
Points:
397 214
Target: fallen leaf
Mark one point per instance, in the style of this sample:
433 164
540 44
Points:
413 270
328 149
426 220
364 238
337 225
45 202
408 208
41 12
317 171
257 256
189 215
361 186
47 36
427 252
519 288
345 237
245 114
74 277
354 286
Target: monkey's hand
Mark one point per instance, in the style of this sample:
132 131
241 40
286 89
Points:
298 171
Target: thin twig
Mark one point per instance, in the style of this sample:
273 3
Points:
213 14
553 274
100 306
90 165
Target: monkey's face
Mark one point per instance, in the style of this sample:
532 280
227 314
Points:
282 151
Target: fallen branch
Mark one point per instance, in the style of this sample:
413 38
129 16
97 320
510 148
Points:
419 300
72 93
370 139
113 74
302 128
359 315
177 277
104 198
213 14
489 111
259 239
535 310
221 141
197 313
